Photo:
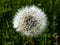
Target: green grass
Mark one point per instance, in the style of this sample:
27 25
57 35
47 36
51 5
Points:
8 35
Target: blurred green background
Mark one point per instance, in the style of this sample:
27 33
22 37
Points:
8 35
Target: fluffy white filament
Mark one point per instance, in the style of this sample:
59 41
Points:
30 21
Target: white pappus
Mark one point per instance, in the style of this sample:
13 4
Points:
30 21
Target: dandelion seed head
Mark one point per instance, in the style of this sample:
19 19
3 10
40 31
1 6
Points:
30 21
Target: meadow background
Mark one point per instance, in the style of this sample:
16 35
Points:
8 35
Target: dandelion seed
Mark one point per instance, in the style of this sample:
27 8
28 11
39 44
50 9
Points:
30 21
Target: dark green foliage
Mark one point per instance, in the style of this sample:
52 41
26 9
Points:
8 35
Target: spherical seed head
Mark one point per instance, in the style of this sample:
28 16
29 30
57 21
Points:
30 21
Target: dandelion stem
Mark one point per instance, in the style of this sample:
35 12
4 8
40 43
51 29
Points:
30 41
